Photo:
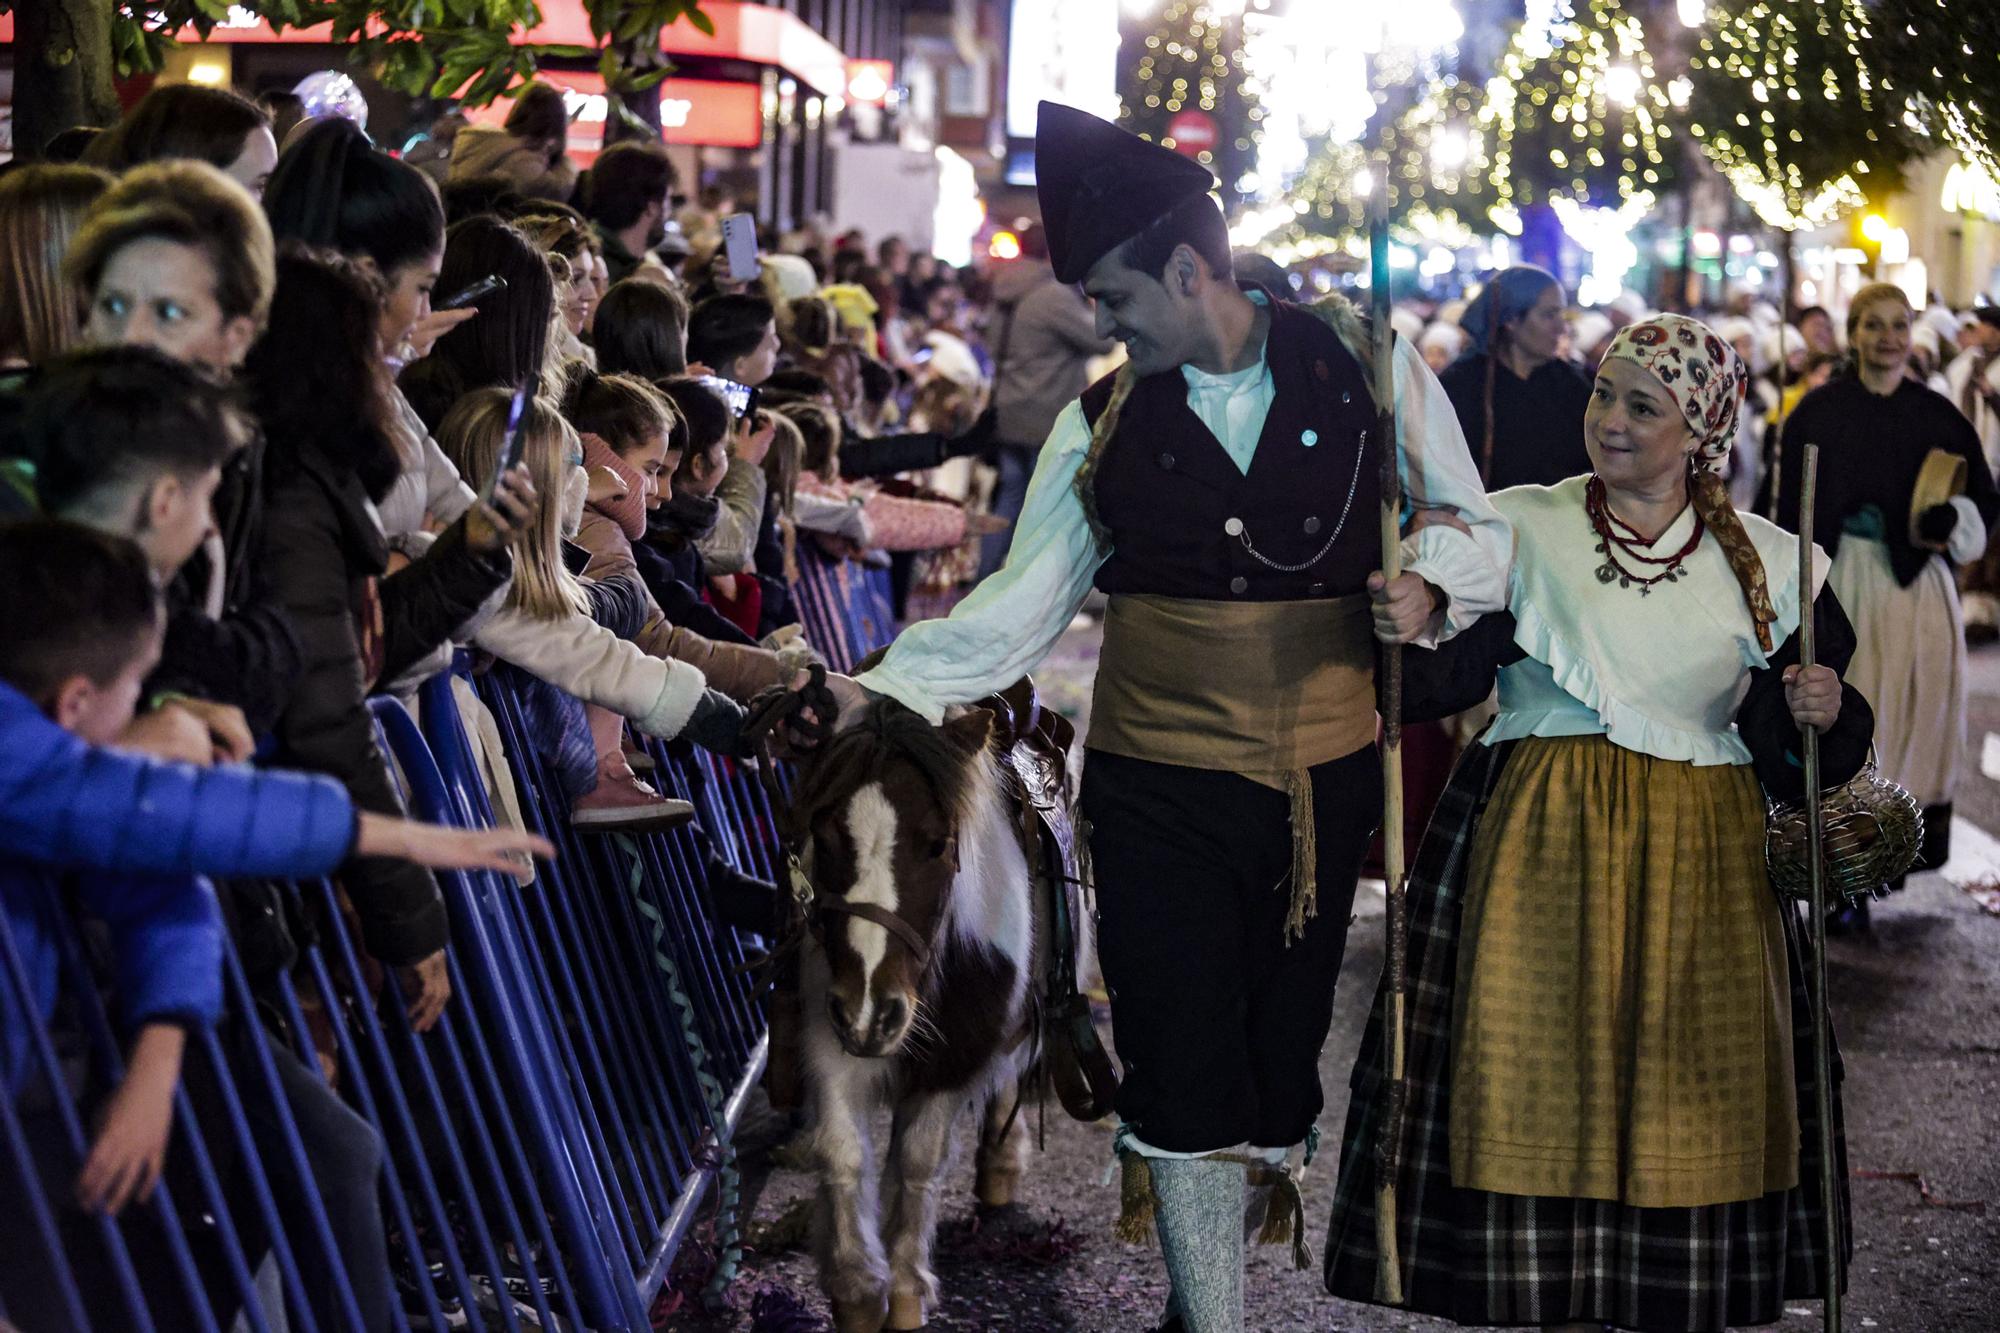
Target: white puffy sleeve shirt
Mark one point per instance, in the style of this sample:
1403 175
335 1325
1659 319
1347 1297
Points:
1661 671
1008 624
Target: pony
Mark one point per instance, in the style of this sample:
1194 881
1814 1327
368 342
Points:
917 988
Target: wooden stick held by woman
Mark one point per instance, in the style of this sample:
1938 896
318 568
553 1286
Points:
1816 874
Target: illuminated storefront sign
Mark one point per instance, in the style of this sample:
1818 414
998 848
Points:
1969 189
707 112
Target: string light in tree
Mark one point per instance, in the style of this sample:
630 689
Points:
1791 110
1577 112
1191 66
1945 57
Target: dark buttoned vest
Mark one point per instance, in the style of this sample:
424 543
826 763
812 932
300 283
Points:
1186 522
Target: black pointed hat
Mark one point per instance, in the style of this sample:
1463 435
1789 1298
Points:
1100 186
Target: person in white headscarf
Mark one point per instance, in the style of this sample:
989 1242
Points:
1441 344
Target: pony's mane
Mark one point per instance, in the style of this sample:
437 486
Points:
884 732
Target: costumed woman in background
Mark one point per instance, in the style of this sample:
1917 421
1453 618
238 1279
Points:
1520 403
1610 1082
1897 523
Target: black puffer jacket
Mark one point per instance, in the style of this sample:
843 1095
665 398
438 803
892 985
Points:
323 558
249 655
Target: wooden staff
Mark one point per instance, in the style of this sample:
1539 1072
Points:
1816 878
1396 964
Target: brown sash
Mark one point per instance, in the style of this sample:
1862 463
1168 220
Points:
1263 689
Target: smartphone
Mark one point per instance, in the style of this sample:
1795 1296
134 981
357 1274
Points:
466 296
740 397
516 440
739 242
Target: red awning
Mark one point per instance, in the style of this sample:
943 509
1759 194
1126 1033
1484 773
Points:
757 33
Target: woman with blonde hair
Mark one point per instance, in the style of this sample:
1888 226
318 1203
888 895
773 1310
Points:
1896 540
41 208
547 625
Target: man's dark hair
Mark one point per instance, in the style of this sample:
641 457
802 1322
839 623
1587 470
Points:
725 328
1989 315
75 601
1195 222
625 178
704 417
641 329
100 425
1808 312
333 189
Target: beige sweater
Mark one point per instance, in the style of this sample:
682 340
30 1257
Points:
581 657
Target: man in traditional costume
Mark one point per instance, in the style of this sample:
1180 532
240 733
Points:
1223 488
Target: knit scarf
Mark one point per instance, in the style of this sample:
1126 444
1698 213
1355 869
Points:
628 511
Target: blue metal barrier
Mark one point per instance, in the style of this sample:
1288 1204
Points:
845 606
543 1152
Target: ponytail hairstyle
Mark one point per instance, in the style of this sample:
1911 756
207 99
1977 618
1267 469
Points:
621 410
334 190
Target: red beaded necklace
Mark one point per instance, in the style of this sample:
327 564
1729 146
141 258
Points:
1615 535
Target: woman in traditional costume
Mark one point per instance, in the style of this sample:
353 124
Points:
1609 1114
1904 497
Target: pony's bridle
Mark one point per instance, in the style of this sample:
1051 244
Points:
812 906
780 707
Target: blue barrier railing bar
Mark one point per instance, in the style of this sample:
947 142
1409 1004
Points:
428 798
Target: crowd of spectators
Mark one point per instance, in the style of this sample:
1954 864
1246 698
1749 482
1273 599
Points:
287 422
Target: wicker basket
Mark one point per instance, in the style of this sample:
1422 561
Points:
1872 830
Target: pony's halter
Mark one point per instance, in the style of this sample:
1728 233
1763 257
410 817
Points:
812 907
781 708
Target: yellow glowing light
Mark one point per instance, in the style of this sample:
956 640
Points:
1004 245
208 73
1875 227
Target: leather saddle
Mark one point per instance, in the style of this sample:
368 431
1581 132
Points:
1032 745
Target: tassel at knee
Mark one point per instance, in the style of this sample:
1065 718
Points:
1284 1214
1136 1200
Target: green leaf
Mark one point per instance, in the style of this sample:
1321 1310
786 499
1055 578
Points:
702 22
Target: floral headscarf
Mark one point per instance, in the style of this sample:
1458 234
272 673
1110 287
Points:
1702 372
1707 381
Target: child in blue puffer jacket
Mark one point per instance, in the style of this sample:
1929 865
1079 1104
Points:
83 624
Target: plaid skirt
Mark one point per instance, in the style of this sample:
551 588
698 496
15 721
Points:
1495 1259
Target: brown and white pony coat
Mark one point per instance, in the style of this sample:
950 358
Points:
912 821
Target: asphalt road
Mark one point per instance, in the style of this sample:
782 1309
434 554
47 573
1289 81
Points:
1915 1012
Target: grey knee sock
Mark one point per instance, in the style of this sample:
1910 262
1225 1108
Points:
1200 1216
